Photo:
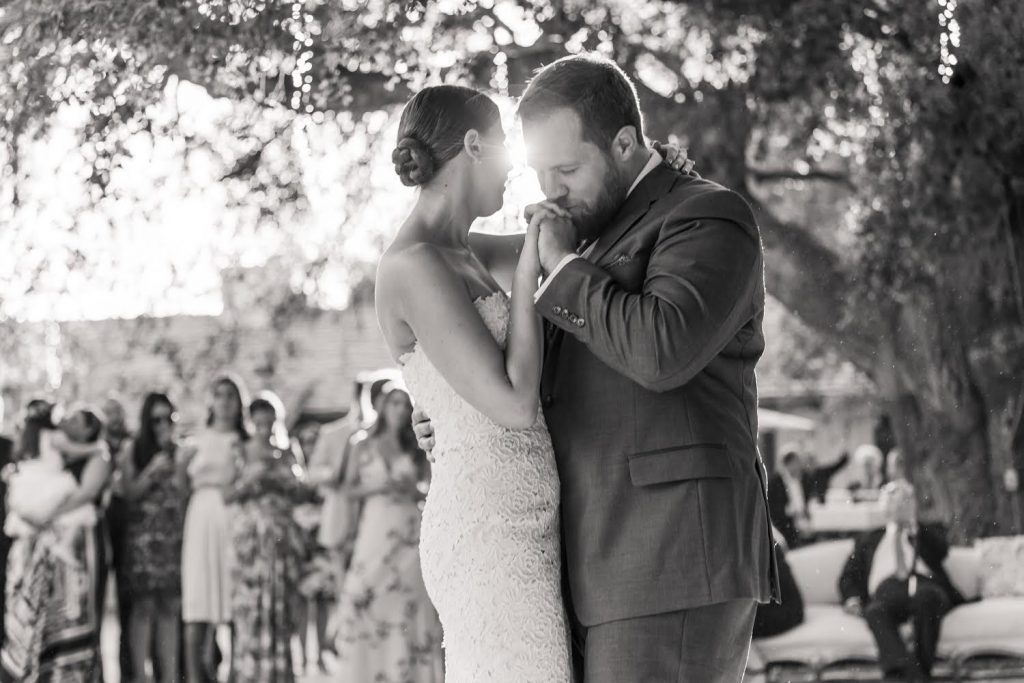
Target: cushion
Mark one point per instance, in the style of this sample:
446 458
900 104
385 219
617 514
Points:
964 568
1002 566
993 625
827 635
817 568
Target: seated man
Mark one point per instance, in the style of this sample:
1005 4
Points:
896 575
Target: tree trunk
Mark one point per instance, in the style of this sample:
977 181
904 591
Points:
949 410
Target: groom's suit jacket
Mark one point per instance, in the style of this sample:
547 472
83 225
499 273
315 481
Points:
649 393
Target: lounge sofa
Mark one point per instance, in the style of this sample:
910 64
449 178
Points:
990 626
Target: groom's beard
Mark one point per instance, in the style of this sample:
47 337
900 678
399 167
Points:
592 220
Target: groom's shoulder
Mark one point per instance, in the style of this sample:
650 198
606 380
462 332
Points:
692 199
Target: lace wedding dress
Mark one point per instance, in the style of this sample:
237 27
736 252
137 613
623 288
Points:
489 543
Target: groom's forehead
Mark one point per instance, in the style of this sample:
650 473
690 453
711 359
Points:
553 139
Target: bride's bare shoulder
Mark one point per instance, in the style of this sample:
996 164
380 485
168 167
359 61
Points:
411 263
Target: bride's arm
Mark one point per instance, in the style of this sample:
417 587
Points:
434 303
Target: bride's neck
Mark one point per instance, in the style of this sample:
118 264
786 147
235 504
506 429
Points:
446 216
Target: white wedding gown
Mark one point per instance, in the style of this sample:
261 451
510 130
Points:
489 543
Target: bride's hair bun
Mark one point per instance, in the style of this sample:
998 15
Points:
414 163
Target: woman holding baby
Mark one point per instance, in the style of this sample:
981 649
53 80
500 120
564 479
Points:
52 618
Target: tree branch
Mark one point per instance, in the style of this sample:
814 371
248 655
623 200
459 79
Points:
762 175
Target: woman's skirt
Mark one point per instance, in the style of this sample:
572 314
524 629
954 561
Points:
52 617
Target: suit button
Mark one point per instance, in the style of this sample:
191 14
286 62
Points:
573 319
564 314
557 310
580 322
547 400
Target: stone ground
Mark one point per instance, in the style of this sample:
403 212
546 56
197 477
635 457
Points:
854 674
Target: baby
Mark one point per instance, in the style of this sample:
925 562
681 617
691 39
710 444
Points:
42 493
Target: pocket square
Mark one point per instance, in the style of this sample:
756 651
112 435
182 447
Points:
620 260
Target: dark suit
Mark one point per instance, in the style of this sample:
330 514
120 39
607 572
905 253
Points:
892 604
778 501
649 393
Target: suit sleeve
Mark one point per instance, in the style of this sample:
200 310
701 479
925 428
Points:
933 542
699 284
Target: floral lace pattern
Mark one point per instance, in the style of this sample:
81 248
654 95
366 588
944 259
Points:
489 543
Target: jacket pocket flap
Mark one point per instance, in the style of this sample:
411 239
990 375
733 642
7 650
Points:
679 464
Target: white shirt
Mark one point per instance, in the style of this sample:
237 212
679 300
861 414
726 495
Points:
797 505
884 564
652 163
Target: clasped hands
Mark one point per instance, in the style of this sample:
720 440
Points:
555 233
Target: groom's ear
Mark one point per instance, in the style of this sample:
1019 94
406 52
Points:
625 143
473 145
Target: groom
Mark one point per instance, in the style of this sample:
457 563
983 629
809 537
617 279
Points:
653 300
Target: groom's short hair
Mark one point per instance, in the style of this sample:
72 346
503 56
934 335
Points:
595 88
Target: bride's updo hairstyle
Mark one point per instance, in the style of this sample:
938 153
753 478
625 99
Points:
434 126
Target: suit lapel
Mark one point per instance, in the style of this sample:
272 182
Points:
651 189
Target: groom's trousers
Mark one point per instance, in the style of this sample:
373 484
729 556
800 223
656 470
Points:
706 644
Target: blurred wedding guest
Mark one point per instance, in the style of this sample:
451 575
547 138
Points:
884 437
775 618
268 547
866 473
114 526
817 478
896 575
934 502
787 503
326 468
208 466
6 461
53 611
155 516
388 627
895 466
317 582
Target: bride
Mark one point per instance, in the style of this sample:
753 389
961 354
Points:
471 356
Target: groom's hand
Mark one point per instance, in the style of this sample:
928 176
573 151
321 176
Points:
558 235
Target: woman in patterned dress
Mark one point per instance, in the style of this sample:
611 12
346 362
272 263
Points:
388 629
268 547
52 617
155 501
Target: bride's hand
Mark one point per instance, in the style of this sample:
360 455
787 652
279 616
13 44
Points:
529 257
674 156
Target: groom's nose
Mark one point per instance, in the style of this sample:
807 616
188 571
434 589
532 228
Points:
553 187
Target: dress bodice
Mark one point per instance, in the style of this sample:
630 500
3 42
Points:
214 462
446 407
